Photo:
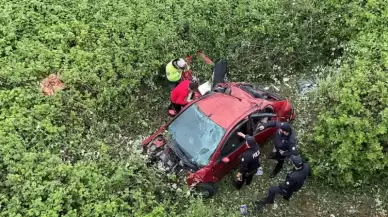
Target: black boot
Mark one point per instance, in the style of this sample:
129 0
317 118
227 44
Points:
273 175
277 168
272 156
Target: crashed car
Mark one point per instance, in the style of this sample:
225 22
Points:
201 142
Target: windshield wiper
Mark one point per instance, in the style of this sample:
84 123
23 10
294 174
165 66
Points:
182 154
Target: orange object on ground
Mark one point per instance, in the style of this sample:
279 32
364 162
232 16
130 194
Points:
51 84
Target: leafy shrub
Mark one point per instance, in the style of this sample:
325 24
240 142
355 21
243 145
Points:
112 49
65 155
51 169
349 140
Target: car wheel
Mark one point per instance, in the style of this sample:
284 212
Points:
206 190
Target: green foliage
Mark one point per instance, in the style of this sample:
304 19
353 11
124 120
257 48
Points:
51 169
70 155
112 49
349 140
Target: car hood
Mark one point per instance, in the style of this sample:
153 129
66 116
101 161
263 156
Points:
180 153
159 140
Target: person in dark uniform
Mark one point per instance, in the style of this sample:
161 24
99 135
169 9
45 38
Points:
285 143
249 162
294 182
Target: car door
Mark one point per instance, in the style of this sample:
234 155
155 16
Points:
232 148
262 136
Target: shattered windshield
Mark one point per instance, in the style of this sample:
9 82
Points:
196 135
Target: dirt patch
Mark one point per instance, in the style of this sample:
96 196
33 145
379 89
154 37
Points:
51 84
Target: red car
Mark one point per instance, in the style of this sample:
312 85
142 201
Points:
201 141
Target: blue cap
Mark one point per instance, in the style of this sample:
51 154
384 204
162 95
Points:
250 140
286 127
296 160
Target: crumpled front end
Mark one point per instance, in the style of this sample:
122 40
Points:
161 154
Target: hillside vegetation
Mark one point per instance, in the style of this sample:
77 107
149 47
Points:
75 153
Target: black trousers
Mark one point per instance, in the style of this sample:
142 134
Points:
176 107
272 191
277 156
245 178
172 85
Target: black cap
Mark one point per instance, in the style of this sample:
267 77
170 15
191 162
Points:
296 160
286 127
250 140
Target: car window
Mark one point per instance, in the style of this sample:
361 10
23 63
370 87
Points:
259 93
196 134
257 122
260 121
235 141
254 92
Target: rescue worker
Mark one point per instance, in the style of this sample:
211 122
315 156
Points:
250 162
180 96
285 144
293 183
174 71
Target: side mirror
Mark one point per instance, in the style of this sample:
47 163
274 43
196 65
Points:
225 160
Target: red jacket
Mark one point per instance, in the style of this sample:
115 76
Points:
180 93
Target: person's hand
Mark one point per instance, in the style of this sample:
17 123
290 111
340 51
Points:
281 152
189 100
238 176
261 127
241 134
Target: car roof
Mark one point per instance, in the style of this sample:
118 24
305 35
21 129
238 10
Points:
224 109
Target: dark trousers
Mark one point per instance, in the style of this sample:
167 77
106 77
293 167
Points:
172 85
272 191
176 107
277 156
245 178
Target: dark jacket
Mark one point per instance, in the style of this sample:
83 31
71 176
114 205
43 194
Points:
296 179
283 142
250 158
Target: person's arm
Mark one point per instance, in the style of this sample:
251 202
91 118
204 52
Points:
243 165
241 134
181 100
288 184
243 168
291 149
270 124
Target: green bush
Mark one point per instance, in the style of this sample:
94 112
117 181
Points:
50 169
69 154
112 49
349 140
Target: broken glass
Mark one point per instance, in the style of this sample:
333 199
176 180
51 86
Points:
196 134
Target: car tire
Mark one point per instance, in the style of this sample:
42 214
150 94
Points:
206 190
